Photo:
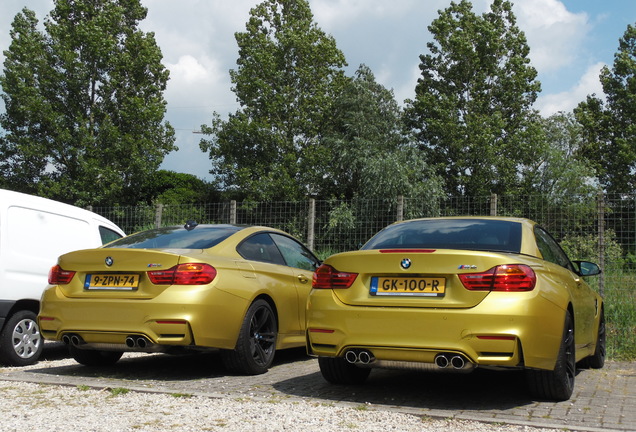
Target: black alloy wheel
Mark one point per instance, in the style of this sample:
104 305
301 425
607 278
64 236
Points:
256 344
597 360
557 384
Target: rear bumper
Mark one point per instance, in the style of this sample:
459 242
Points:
204 317
498 332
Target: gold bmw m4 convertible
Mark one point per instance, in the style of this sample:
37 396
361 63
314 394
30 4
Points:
454 294
239 289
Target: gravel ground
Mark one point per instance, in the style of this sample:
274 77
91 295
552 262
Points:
51 408
34 407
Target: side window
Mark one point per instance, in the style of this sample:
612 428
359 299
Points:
295 254
260 247
550 249
108 235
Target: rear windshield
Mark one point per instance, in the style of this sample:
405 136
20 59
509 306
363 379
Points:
467 234
201 237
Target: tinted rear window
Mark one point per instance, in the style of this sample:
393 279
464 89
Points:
201 237
468 234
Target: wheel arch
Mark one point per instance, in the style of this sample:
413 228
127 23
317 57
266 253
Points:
271 303
21 305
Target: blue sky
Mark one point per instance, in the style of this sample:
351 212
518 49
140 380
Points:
570 40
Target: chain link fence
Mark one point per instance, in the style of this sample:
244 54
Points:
599 228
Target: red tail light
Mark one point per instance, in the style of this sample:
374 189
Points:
58 276
184 274
327 277
511 278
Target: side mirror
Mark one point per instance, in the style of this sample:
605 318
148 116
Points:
587 268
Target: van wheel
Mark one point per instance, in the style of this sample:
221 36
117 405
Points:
21 343
256 344
89 357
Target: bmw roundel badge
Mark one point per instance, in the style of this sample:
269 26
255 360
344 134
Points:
406 263
109 261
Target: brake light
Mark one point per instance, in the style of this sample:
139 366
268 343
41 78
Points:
184 274
58 276
327 277
509 278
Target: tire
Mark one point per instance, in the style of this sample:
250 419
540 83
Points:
557 384
21 343
337 370
256 344
89 357
597 360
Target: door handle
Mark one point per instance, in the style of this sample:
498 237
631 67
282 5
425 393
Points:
303 279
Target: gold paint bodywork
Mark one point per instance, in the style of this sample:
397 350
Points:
201 316
490 329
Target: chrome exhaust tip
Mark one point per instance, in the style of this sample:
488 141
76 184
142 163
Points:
142 342
441 361
76 340
458 362
130 342
365 357
351 356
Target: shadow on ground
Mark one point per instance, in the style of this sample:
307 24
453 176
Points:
295 374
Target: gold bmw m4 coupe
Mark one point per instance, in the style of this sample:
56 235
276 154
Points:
454 294
239 289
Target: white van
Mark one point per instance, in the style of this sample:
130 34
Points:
34 231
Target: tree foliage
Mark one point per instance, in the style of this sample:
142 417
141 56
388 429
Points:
610 126
84 103
556 171
169 187
288 74
367 154
472 112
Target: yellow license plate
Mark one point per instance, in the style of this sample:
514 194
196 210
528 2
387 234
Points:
408 286
115 281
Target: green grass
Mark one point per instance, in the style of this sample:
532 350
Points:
620 314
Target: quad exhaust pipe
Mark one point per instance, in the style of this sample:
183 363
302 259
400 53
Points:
131 341
447 361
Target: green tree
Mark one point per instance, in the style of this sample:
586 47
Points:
289 72
610 126
169 187
84 103
556 172
472 113
367 154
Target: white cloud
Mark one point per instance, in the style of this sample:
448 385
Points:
554 34
331 13
566 101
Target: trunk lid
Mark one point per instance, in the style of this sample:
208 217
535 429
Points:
117 273
415 278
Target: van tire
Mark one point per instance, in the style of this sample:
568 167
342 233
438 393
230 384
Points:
21 343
